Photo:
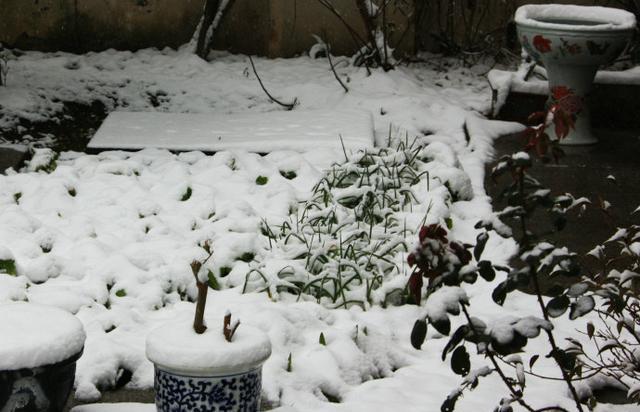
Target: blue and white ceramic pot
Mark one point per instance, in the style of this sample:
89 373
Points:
196 373
38 389
38 352
572 42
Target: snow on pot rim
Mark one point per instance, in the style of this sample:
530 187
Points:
177 348
37 335
567 17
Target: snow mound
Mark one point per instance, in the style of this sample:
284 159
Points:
36 335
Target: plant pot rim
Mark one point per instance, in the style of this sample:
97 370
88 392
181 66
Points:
239 370
36 335
176 348
36 369
607 20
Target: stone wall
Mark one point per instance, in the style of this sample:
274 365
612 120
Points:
276 28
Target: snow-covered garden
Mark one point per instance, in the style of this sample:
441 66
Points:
311 247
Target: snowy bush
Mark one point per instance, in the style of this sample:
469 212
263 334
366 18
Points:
616 333
345 246
375 49
447 265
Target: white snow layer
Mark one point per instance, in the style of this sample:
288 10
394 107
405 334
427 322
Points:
558 16
109 237
177 347
37 335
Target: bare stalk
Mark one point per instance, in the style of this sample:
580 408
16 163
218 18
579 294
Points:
288 106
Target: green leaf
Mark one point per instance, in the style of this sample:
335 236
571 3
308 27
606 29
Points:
418 333
499 294
224 271
486 270
289 363
213 282
450 403
449 223
262 180
481 242
442 325
8 266
533 360
288 174
187 195
455 340
247 257
577 289
591 329
558 306
322 340
121 293
460 363
581 307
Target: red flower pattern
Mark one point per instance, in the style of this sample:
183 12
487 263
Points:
541 44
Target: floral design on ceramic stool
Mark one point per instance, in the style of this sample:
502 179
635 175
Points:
572 42
215 394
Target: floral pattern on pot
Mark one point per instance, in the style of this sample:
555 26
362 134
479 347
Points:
41 389
240 392
542 44
597 49
529 49
567 100
568 48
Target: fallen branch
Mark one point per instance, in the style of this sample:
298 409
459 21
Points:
288 106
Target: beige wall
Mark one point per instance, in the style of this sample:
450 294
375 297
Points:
267 27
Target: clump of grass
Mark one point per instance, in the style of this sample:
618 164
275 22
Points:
8 266
262 180
289 174
349 236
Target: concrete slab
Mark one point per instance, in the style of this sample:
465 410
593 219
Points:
586 171
255 132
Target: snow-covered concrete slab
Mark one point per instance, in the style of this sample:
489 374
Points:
256 132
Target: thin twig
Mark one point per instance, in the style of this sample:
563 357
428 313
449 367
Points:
288 106
333 69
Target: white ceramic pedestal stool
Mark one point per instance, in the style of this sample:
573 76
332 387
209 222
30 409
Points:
572 42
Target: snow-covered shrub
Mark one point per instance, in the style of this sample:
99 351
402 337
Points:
447 265
345 246
615 353
616 335
375 49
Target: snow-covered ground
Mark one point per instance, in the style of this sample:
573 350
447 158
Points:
109 237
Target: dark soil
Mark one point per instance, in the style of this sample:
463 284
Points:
71 130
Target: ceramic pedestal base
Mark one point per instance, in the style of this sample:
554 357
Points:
569 88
